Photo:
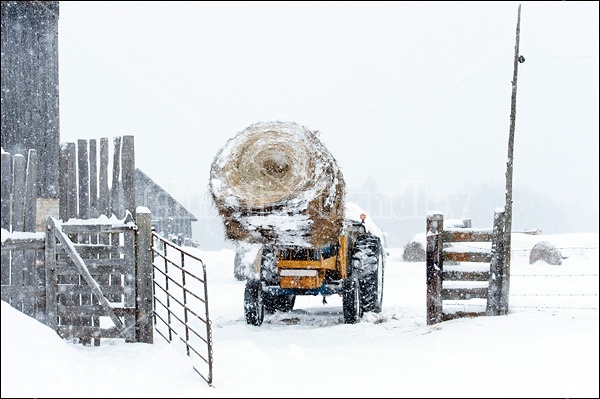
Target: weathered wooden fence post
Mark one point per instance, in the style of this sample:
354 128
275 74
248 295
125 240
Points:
496 280
115 278
435 226
18 206
83 181
5 221
30 210
128 174
103 192
144 284
94 212
51 281
30 278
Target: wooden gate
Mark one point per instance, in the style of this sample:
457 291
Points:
485 277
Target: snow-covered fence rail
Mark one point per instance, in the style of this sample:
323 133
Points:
458 282
181 302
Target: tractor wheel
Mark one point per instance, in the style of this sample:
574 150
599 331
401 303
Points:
368 264
371 287
351 300
253 303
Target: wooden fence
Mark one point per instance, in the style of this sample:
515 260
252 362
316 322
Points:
83 269
91 273
484 277
23 251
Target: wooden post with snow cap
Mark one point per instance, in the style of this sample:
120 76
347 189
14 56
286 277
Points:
435 226
143 279
496 279
509 170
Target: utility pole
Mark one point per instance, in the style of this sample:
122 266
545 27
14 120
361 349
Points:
509 172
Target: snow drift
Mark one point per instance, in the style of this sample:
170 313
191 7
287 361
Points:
277 182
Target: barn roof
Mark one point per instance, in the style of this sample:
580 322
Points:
143 179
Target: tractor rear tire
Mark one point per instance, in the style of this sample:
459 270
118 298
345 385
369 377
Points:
254 309
368 264
351 300
371 288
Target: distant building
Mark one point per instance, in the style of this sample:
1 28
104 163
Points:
169 217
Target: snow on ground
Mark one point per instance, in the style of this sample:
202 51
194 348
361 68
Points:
547 346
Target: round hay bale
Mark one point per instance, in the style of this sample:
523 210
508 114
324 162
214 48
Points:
276 182
413 252
547 252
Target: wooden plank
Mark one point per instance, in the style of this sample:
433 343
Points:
63 182
80 264
128 173
84 179
76 289
460 314
455 275
450 255
451 294
50 276
116 207
91 332
29 280
103 194
115 188
29 213
87 250
5 208
83 202
434 267
10 291
467 235
21 244
129 292
71 228
40 304
71 182
497 304
144 280
104 209
97 265
83 310
94 208
18 194
6 190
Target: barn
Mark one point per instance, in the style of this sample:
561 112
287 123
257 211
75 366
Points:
169 217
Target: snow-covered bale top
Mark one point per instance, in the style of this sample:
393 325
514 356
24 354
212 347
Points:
276 182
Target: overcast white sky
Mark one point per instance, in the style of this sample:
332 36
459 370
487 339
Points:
409 93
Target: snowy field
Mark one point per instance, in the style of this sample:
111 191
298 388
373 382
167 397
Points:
547 346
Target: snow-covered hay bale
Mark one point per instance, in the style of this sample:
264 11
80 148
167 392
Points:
547 252
413 252
276 181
